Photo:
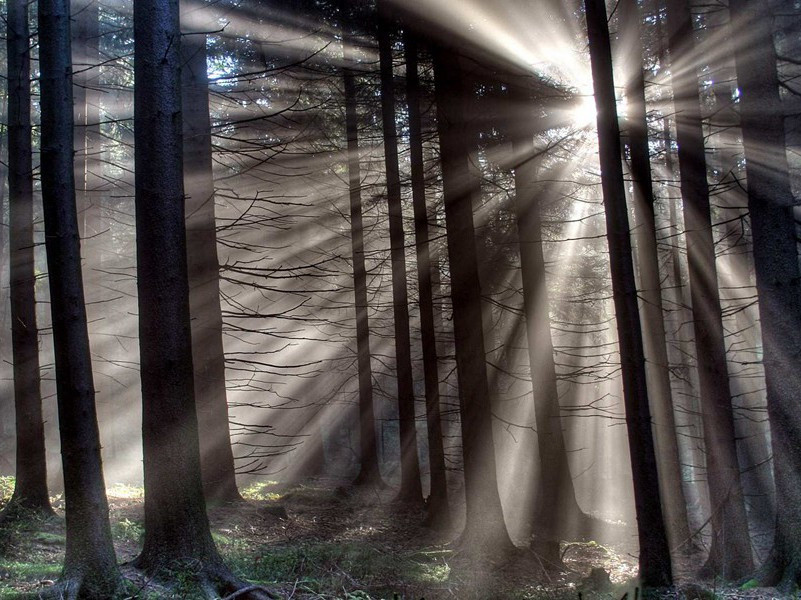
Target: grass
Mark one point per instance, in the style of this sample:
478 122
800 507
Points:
321 566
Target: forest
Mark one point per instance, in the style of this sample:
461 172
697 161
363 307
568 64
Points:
400 299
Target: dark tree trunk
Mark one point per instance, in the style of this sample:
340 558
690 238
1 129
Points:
437 505
770 204
556 511
85 56
208 355
410 489
30 490
369 472
90 566
485 528
730 555
655 567
177 530
657 367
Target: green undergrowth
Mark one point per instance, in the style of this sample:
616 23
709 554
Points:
261 491
325 567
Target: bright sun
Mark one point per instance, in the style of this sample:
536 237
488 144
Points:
584 111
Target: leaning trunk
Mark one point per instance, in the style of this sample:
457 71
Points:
670 480
90 566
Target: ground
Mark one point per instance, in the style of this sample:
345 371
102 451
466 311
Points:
320 540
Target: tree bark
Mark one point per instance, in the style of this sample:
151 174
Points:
369 472
730 555
208 355
770 204
485 529
657 367
30 489
90 566
655 564
177 530
410 489
437 506
556 511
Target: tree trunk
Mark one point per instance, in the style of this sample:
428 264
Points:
770 204
557 514
657 367
411 489
655 567
208 355
177 533
90 566
30 490
437 505
730 555
369 472
485 529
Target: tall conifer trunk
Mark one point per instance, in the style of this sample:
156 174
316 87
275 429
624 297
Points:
730 555
369 472
655 565
556 511
411 489
177 533
437 506
657 367
90 567
770 204
208 354
485 528
30 489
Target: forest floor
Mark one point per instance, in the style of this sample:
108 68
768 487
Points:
323 541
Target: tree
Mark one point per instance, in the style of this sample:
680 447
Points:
90 565
485 529
177 534
655 565
30 488
208 355
411 490
555 505
437 505
369 472
657 367
770 205
730 555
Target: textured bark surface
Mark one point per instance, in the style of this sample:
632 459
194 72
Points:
176 526
369 472
730 555
90 567
485 528
30 490
657 364
655 564
770 204
411 488
437 506
208 355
